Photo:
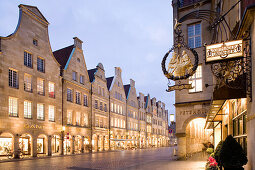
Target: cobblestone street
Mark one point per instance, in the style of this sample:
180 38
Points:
158 158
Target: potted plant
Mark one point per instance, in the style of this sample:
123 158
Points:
232 155
211 164
209 150
217 154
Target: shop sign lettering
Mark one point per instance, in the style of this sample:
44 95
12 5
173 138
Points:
192 112
33 126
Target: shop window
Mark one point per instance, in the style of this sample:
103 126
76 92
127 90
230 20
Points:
78 97
196 80
28 59
51 90
27 82
194 35
13 78
40 111
40 64
69 117
55 144
51 113
69 95
40 86
6 144
27 109
13 106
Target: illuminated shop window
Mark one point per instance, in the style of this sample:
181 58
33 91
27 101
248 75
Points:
13 78
196 80
28 59
13 106
194 35
40 86
27 109
51 113
28 82
51 90
40 111
69 117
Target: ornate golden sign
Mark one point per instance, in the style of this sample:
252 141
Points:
225 50
32 126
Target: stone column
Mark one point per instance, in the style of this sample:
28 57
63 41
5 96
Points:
49 145
103 143
181 138
82 144
16 146
72 145
34 146
61 144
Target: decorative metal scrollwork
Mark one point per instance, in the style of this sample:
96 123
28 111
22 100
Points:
180 65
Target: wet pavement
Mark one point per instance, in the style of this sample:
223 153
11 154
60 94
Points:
156 158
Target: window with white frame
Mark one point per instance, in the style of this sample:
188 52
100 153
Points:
78 118
51 90
74 76
51 113
81 79
97 122
40 111
28 109
78 97
112 122
40 86
28 82
13 78
115 108
196 80
69 95
111 107
194 35
13 106
40 64
28 59
85 100
69 117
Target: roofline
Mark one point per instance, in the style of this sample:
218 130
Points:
69 59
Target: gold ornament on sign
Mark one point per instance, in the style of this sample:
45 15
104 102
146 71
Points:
179 66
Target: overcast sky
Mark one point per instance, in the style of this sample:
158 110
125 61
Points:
131 34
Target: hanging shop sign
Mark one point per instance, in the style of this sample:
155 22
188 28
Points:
180 62
225 50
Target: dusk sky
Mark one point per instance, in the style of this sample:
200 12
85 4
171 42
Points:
131 34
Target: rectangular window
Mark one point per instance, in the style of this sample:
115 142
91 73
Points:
51 113
97 122
78 118
81 79
194 35
115 108
40 64
85 120
69 95
101 125
85 100
27 59
96 104
13 78
74 76
69 117
13 106
111 107
103 92
196 80
51 90
78 97
101 106
105 107
40 86
112 122
40 111
99 90
27 82
35 42
27 109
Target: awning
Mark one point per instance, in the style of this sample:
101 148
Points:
213 114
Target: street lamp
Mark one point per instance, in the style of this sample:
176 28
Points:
171 117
